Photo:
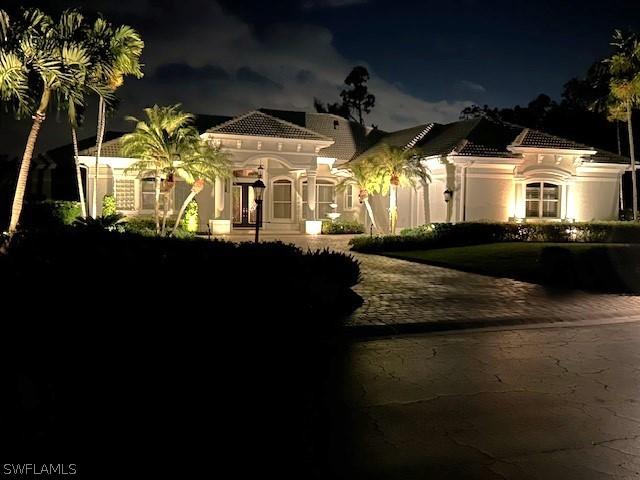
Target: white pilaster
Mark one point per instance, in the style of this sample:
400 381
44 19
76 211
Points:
311 193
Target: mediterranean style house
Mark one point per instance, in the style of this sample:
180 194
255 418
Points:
479 170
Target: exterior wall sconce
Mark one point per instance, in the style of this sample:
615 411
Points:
448 195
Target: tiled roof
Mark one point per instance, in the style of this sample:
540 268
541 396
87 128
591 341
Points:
479 137
536 138
111 144
257 123
604 156
406 138
110 148
350 138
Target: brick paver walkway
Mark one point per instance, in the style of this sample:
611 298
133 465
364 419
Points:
398 292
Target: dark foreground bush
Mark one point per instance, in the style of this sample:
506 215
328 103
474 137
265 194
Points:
443 235
162 351
338 227
49 214
610 268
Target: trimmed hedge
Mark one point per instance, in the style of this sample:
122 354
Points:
338 227
442 235
317 283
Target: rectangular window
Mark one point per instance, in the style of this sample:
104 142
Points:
325 196
542 200
148 190
125 194
348 197
533 200
550 201
282 199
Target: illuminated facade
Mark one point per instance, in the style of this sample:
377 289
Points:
490 171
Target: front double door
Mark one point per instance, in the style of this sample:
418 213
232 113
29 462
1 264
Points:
244 206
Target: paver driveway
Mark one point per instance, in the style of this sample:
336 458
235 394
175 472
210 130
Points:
401 293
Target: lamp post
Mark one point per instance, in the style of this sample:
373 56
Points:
258 192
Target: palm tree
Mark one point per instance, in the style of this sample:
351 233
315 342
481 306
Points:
365 174
38 63
115 53
398 167
624 66
198 165
168 145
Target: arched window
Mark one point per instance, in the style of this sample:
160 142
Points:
282 199
325 196
542 200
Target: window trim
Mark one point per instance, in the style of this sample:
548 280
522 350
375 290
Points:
280 180
541 201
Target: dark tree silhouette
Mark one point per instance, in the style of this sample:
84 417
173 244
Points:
356 99
336 108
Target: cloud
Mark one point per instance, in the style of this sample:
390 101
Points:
471 86
283 66
211 61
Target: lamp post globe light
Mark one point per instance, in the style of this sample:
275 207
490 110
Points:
258 192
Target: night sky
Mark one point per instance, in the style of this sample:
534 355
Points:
428 59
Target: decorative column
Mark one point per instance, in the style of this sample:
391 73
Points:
312 226
219 225
219 197
311 193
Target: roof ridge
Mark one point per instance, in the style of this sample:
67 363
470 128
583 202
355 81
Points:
280 120
420 135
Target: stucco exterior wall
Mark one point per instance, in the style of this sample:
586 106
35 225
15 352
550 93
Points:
489 199
596 200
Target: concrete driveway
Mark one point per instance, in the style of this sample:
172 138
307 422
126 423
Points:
544 403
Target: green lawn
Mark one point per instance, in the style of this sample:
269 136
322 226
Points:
512 260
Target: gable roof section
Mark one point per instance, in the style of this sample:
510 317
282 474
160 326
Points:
537 139
257 123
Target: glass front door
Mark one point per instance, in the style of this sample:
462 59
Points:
244 206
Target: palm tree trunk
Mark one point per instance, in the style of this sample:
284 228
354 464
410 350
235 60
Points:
99 138
393 208
370 212
164 213
83 204
634 180
157 204
186 202
618 137
23 175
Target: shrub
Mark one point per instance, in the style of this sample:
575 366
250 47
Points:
170 309
189 221
109 205
442 235
145 226
50 214
341 226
